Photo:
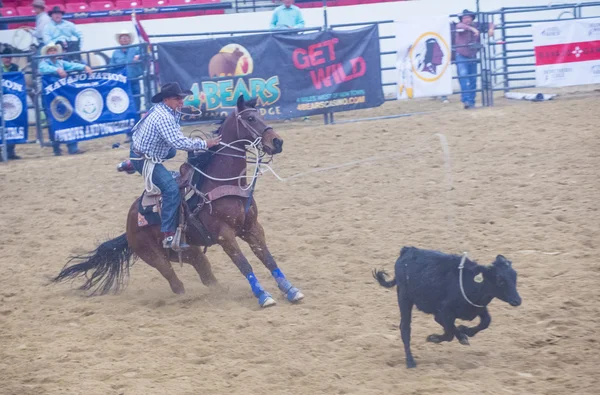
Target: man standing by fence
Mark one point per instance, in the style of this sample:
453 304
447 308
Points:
54 65
467 43
287 16
130 57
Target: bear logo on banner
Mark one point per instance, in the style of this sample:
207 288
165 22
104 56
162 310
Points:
232 60
61 108
117 101
12 107
89 104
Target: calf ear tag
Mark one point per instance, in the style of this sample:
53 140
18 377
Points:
478 278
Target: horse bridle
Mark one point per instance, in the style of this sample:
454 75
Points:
255 133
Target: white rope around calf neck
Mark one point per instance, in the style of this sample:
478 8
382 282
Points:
460 279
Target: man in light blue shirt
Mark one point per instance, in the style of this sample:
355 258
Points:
54 65
287 16
64 32
130 57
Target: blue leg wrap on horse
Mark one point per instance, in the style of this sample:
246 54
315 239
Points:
284 285
257 289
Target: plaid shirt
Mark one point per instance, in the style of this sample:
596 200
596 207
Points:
159 130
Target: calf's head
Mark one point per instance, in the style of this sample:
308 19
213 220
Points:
503 280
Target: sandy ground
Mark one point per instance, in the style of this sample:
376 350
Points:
525 178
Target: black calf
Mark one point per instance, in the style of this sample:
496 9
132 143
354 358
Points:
449 288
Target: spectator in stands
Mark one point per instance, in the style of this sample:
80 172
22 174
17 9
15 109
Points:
467 46
128 56
60 67
7 64
61 32
287 16
41 20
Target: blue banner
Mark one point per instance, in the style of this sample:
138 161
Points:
84 107
14 107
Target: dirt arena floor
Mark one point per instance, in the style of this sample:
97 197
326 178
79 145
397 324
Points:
525 184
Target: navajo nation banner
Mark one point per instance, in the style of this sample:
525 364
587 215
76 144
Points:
567 52
85 107
291 75
424 58
14 107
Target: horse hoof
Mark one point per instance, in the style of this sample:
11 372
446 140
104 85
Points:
265 300
294 295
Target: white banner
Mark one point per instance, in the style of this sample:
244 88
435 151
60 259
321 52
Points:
567 52
424 58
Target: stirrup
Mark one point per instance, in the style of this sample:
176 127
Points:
169 242
174 242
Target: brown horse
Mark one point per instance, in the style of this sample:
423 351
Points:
225 218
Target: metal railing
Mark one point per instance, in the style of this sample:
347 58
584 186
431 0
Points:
512 58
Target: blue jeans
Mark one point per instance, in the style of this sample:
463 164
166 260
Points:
71 147
467 78
162 178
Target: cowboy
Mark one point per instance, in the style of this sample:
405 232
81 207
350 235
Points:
54 65
65 33
130 57
41 20
467 46
156 138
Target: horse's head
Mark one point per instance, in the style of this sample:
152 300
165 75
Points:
251 125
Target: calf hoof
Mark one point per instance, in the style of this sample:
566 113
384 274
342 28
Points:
465 330
266 300
464 340
434 339
178 288
411 364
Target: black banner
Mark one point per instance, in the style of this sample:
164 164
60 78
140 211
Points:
291 75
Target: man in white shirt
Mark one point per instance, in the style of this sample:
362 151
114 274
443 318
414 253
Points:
41 20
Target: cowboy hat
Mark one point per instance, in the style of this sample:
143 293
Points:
466 13
124 33
56 9
51 46
39 4
168 90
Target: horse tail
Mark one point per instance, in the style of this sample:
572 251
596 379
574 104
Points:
380 276
109 263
